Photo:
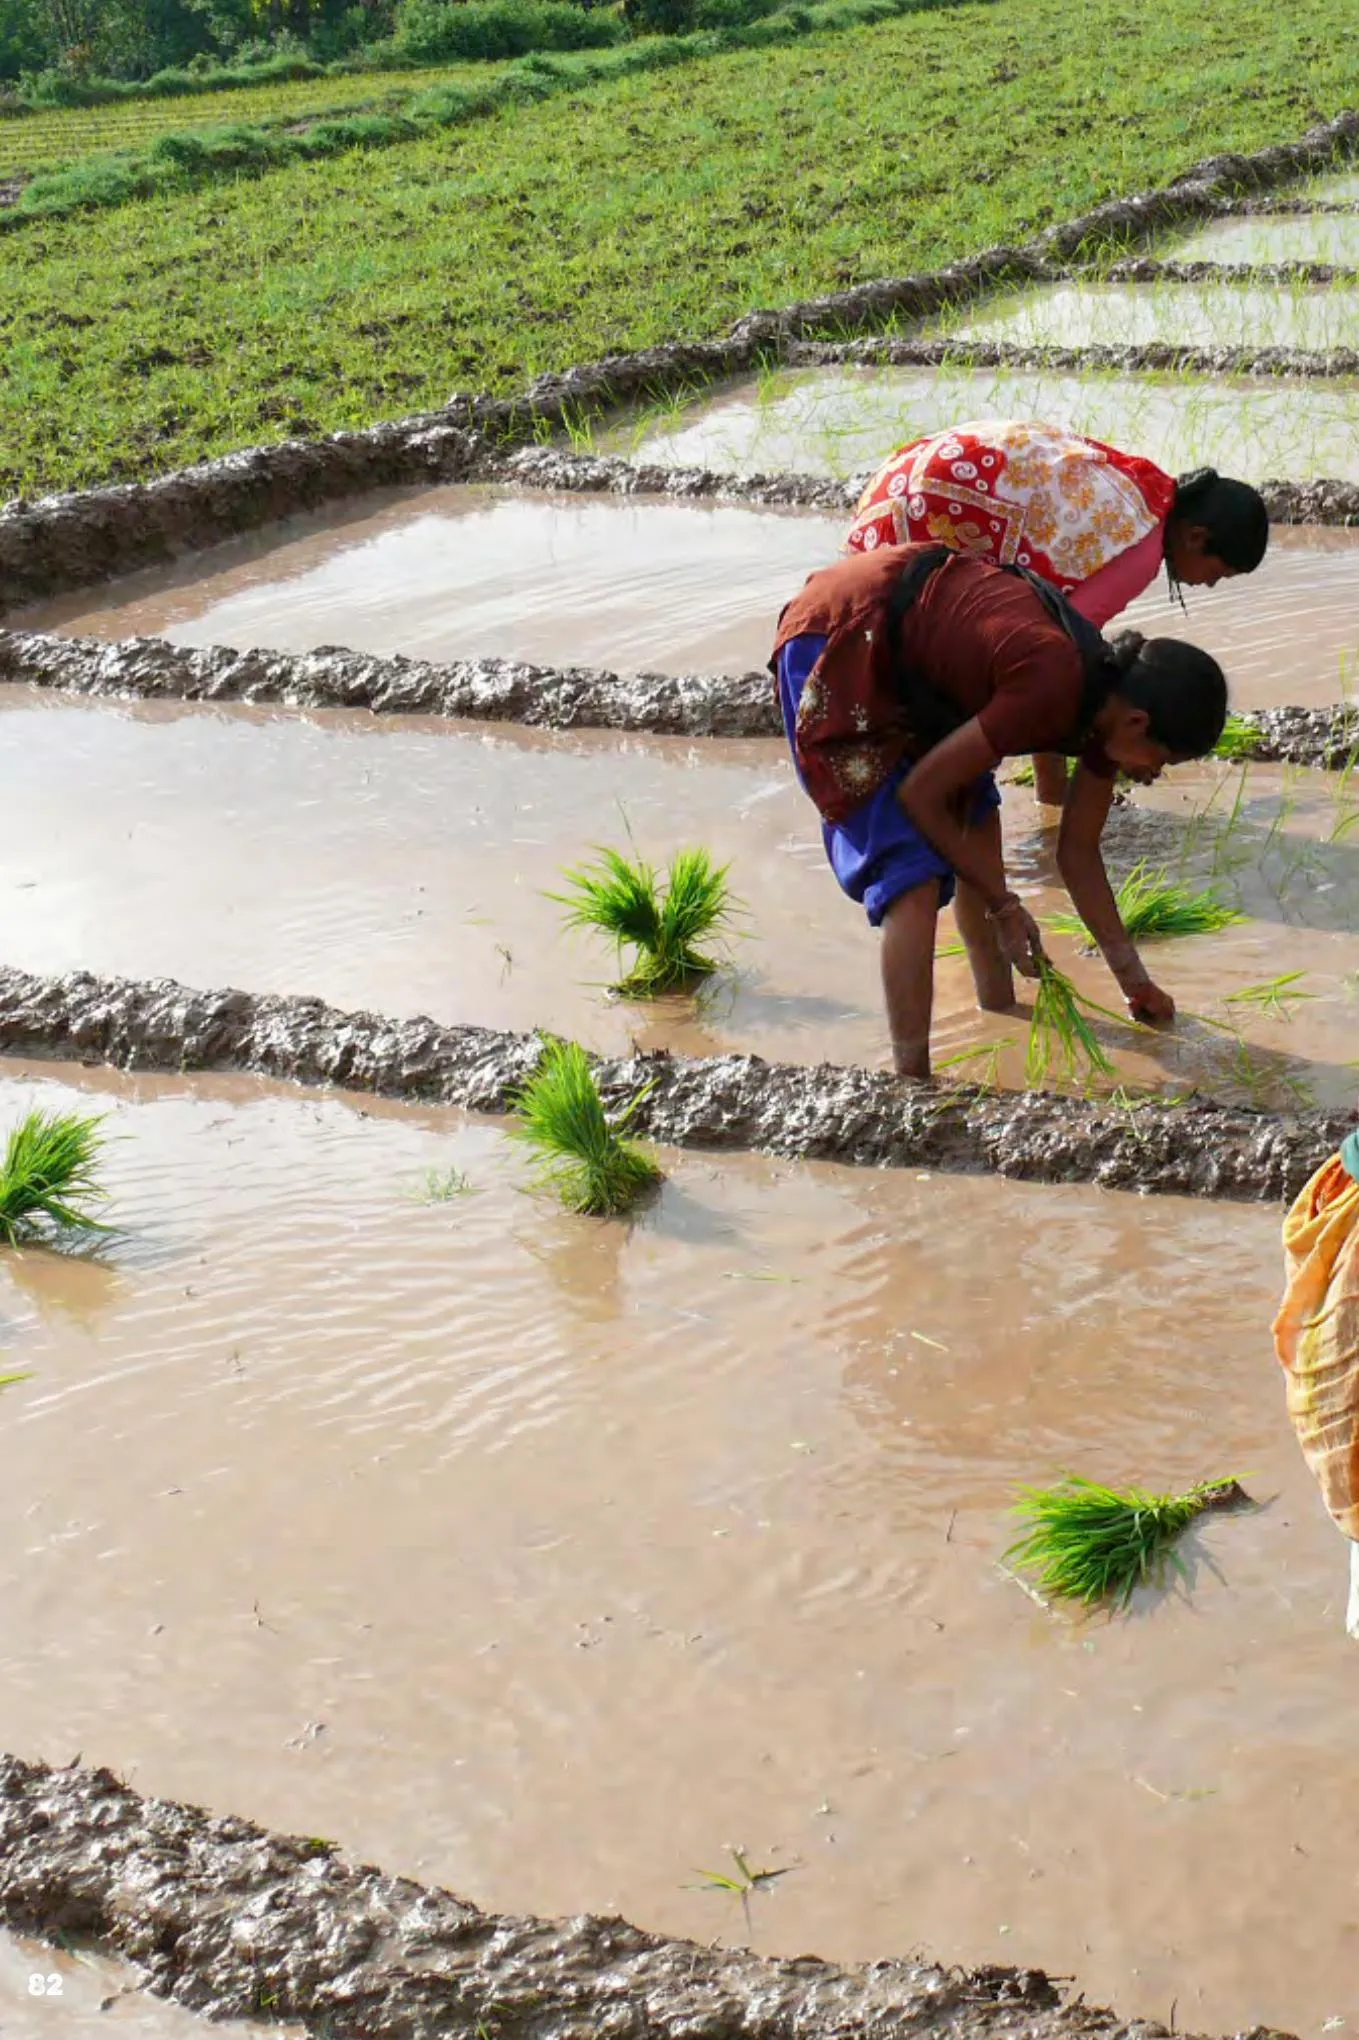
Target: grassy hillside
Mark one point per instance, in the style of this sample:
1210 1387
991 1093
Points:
334 293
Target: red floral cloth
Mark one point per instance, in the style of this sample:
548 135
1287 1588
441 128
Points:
1021 494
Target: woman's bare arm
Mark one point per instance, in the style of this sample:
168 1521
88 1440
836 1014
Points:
1081 863
932 794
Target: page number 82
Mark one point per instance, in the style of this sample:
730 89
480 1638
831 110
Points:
44 1986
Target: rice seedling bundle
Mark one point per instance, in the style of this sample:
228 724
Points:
49 1173
1060 1034
582 1154
1091 1543
1152 905
664 926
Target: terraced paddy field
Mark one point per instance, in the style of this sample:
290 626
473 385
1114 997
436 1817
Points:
357 1488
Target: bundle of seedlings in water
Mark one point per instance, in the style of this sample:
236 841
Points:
1060 1033
1091 1543
48 1175
583 1155
663 927
1152 905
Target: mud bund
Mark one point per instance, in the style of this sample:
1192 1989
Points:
230 1920
857 1116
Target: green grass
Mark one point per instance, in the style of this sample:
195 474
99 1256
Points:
1089 1543
1061 1038
1275 998
49 1176
1239 739
1153 905
55 136
582 1155
329 294
662 925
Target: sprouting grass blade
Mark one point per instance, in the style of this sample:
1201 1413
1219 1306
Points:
1275 997
49 1172
1240 739
1090 1543
1060 1033
1153 905
582 1154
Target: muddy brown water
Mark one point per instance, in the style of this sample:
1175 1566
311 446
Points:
1318 237
47 1991
839 420
548 1559
1087 314
407 868
640 586
457 573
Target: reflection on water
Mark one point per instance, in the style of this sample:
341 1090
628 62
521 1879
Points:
459 573
407 868
842 421
1303 237
1316 316
685 1533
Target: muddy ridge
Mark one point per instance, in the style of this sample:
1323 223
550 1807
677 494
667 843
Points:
233 1921
859 1116
71 541
502 690
488 690
1143 269
1154 356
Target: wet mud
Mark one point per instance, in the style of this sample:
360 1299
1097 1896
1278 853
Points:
837 1114
233 1921
65 542
973 349
490 690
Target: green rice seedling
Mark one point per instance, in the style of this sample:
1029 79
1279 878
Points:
441 1186
582 1154
981 1062
1090 1543
1060 1033
1023 774
746 1880
1275 997
1239 739
48 1173
624 898
1154 906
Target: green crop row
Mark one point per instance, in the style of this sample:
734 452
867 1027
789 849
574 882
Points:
333 293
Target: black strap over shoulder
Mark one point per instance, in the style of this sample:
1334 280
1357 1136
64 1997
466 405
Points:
933 715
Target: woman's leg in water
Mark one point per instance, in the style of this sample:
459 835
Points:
908 930
1049 778
991 973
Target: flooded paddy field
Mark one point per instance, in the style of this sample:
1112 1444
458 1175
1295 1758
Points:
1092 314
844 420
1303 237
546 1559
407 867
470 572
638 585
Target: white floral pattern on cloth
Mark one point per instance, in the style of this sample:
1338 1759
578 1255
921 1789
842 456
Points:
1018 492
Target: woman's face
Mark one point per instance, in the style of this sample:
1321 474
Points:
1190 558
1124 734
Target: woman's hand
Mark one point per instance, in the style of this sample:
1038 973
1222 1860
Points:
1147 1001
1018 934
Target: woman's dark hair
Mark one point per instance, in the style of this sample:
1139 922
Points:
1232 513
1182 690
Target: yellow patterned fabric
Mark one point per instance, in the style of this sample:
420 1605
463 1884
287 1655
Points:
1316 1335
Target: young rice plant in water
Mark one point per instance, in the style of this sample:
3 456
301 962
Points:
1091 1543
582 1155
1060 1033
663 927
49 1173
1151 904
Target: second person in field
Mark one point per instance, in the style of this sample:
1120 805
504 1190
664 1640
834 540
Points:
1098 523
